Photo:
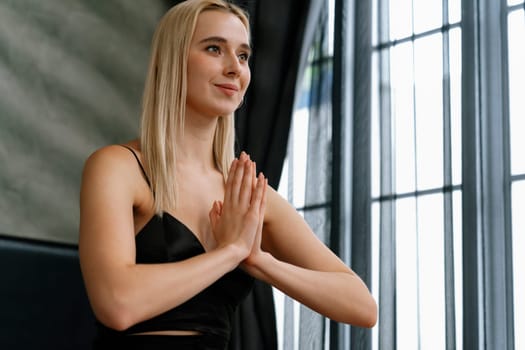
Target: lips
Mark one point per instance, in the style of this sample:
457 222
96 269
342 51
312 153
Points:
228 89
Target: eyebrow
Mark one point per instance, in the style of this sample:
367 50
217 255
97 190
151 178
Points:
218 39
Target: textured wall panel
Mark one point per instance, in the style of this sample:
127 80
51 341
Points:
71 79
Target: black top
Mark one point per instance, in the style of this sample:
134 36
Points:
166 239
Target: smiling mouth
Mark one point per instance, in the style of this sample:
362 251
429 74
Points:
228 89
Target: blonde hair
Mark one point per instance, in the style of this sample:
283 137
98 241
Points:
164 100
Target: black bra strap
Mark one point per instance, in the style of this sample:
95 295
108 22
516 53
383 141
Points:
140 164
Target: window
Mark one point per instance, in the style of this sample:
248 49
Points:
448 183
416 143
306 178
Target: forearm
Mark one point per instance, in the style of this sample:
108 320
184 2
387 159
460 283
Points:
340 296
136 292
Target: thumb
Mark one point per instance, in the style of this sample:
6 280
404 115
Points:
214 214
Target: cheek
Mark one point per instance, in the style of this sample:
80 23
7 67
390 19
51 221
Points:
247 78
196 67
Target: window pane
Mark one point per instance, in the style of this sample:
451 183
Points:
429 111
516 28
298 156
375 26
454 11
518 253
374 126
329 50
400 19
431 271
455 103
402 80
458 265
407 275
428 14
319 144
375 265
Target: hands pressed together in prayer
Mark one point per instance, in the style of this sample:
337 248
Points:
238 220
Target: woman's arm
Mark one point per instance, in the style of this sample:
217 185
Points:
123 293
295 261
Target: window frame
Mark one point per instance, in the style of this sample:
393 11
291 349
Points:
488 320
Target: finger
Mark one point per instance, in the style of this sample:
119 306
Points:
213 214
262 207
229 181
245 191
254 182
237 178
257 196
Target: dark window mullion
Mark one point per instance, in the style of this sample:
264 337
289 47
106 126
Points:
448 212
519 177
395 196
487 280
310 207
388 44
339 237
473 330
495 201
361 241
387 254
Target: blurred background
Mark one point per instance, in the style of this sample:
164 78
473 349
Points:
395 127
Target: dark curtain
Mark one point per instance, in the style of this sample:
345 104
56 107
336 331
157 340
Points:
263 124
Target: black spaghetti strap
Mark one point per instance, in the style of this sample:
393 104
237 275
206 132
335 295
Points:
140 164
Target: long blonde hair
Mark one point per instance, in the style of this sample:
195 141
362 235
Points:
164 100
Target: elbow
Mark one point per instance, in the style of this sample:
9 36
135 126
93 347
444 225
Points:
362 315
118 321
370 315
113 312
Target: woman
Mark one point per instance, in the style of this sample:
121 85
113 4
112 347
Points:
173 229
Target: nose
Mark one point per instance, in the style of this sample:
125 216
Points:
232 66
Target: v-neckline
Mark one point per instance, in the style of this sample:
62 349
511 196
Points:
172 217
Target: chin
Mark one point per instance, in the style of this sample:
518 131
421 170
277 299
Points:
225 110
217 109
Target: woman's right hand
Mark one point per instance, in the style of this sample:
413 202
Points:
235 220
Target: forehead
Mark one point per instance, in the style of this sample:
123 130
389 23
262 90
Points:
216 23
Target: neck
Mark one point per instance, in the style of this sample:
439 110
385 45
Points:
195 146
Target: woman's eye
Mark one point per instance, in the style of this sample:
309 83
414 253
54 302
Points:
244 57
213 48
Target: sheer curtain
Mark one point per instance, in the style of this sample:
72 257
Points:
306 178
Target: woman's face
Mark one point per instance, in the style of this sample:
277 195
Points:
218 71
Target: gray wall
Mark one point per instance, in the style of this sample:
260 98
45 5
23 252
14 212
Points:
71 79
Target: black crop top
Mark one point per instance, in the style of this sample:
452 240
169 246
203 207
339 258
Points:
166 239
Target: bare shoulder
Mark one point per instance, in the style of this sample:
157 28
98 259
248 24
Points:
108 159
112 170
108 162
